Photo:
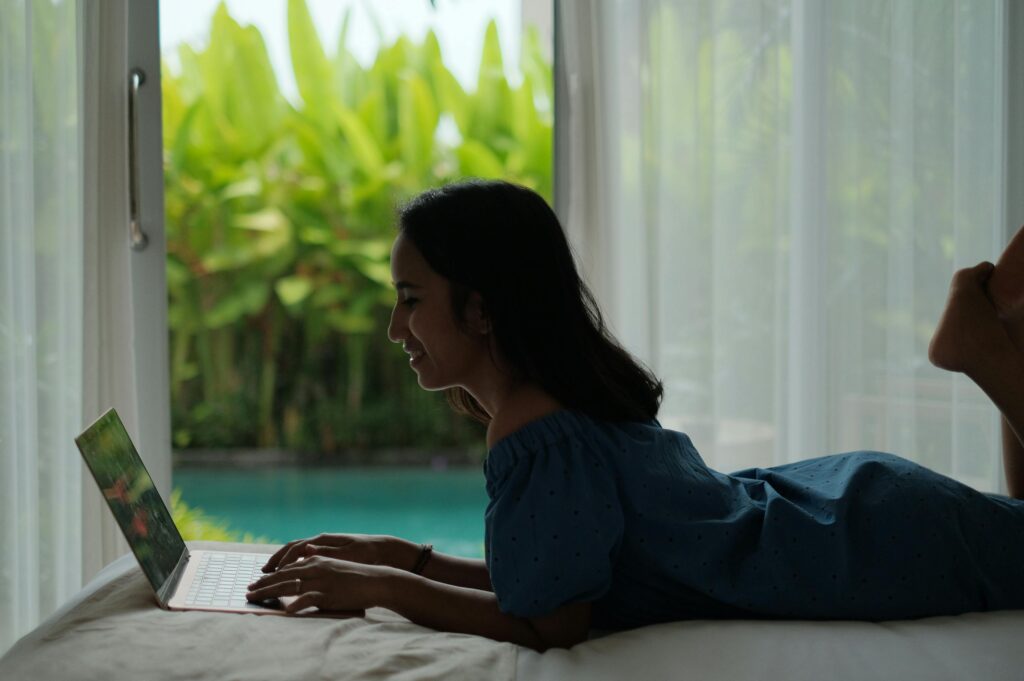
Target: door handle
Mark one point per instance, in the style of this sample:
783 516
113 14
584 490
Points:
137 237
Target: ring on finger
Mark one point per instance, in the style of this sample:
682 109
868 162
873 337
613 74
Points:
298 586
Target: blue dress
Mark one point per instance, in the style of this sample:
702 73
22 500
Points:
628 517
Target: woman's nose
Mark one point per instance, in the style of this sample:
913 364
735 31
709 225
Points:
395 331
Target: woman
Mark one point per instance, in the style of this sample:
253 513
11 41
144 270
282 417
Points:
598 517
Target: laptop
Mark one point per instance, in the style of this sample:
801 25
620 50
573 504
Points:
181 579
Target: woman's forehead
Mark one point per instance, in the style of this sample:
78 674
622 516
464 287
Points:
408 266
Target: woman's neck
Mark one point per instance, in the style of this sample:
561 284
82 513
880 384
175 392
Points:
514 410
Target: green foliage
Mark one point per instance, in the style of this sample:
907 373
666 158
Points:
280 219
195 525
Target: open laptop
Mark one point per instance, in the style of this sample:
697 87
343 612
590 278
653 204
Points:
181 580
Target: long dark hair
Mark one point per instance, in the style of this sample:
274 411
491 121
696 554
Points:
504 242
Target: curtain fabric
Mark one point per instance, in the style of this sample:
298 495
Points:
769 199
63 311
40 312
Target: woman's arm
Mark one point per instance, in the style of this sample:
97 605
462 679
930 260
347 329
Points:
378 549
333 584
454 570
458 609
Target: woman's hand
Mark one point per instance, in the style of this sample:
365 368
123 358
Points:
324 583
369 549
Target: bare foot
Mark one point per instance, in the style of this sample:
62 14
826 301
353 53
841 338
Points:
1006 287
970 337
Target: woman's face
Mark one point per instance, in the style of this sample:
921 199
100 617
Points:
441 354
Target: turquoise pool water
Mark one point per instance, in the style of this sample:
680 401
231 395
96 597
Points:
442 507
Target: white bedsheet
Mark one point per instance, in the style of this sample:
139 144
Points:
971 647
113 630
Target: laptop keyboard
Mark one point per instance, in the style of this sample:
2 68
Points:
222 579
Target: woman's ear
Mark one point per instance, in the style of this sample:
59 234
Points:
476 315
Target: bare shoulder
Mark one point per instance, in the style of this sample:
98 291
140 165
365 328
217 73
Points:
522 409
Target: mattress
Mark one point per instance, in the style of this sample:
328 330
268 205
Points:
113 629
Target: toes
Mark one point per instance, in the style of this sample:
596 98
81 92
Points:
1006 285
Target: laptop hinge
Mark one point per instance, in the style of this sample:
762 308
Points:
171 583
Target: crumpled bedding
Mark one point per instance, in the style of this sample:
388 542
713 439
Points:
114 629
970 647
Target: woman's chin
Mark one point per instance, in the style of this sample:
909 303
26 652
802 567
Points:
425 381
431 383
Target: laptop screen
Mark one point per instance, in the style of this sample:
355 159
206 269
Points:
128 489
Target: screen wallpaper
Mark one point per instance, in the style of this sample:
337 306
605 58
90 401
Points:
134 500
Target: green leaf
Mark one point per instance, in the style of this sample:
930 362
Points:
492 92
293 290
418 117
270 245
256 100
177 273
368 156
374 249
452 98
537 72
316 235
350 323
329 295
375 271
373 112
183 139
249 186
310 65
268 220
326 152
349 76
238 303
476 160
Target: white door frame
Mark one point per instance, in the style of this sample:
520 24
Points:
148 265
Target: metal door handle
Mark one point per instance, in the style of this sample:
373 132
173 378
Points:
138 238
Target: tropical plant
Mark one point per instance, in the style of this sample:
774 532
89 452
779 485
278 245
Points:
195 525
280 220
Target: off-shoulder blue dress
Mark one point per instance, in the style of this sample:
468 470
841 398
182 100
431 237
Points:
628 517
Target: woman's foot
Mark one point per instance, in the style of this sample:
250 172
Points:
970 336
1006 286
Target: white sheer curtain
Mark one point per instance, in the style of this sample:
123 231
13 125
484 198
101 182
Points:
769 199
65 331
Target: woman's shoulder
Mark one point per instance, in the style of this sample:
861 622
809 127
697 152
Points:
556 426
535 420
529 407
535 431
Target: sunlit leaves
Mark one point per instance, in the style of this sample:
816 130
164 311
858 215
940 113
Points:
313 71
280 214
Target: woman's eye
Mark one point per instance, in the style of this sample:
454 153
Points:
410 302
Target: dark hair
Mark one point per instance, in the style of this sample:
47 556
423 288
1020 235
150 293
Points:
504 242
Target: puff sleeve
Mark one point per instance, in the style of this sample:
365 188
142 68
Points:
553 525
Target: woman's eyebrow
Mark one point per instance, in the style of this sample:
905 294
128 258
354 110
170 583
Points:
405 284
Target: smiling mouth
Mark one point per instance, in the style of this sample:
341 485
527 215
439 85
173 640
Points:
415 356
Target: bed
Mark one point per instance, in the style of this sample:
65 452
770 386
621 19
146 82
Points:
113 629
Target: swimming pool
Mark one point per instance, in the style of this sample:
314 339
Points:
442 507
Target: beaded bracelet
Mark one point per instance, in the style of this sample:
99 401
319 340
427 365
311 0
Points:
421 562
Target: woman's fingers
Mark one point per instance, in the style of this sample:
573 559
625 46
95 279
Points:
291 582
339 552
283 574
295 553
275 560
326 583
333 545
307 600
